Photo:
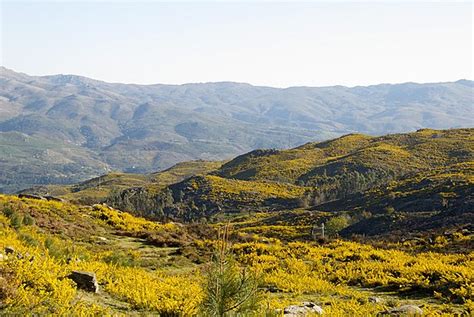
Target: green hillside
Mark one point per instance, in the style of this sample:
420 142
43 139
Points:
395 154
435 201
354 163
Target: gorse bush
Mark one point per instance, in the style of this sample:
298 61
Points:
33 278
229 290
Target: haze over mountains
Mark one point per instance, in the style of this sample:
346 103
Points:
65 128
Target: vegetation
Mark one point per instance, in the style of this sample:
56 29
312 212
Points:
102 188
136 277
356 173
229 289
403 204
334 225
354 163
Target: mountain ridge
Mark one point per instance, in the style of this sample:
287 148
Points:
4 69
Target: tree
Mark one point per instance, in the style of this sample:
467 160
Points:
229 289
336 224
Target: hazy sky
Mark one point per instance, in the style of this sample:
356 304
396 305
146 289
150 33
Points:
263 43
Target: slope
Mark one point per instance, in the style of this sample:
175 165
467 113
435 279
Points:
336 175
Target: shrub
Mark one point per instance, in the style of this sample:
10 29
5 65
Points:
7 211
29 239
336 224
16 220
56 249
122 259
28 220
389 210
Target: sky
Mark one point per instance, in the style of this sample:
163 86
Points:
260 42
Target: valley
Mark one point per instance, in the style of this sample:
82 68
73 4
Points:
236 159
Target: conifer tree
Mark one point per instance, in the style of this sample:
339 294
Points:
229 290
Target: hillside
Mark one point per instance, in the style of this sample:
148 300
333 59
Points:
141 266
395 185
435 201
326 171
100 188
66 129
423 174
394 153
404 203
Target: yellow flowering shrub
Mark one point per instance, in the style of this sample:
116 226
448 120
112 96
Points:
126 222
339 275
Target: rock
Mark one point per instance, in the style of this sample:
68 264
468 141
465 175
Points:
405 310
101 241
302 310
374 299
9 250
295 310
85 280
177 224
314 308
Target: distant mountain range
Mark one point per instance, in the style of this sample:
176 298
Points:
65 128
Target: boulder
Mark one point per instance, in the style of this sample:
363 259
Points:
405 310
313 307
85 280
374 299
302 310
